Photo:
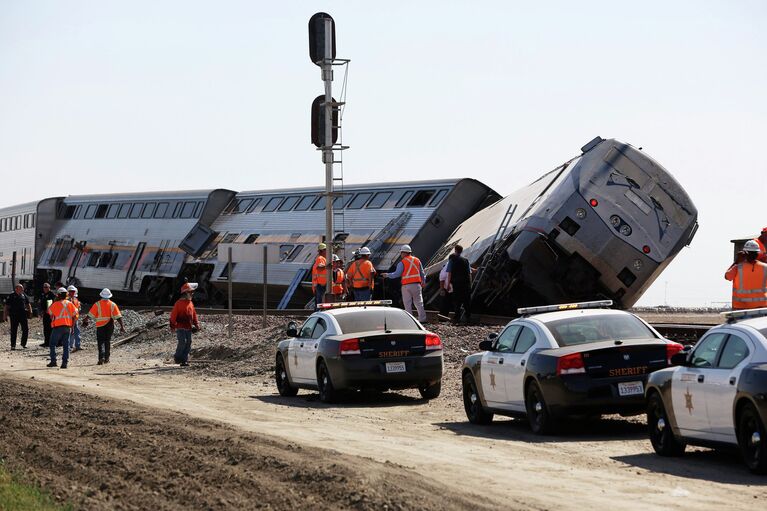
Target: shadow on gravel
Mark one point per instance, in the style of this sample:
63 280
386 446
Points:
351 400
146 371
603 430
718 466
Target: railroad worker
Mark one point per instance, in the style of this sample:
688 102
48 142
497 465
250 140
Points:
761 241
339 280
410 271
361 276
18 309
347 281
46 299
62 314
104 313
319 275
183 320
74 339
749 279
445 291
459 277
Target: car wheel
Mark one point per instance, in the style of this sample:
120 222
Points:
430 391
472 403
659 428
537 412
281 377
328 393
752 439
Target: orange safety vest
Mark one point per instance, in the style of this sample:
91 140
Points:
338 282
319 276
103 312
77 305
62 313
411 270
762 250
360 272
749 287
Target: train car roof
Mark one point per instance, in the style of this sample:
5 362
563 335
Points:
143 195
20 206
357 186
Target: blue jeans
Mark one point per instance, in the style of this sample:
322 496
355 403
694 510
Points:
362 295
184 345
74 339
60 333
319 295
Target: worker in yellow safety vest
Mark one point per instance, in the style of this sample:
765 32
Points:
105 312
319 275
749 279
410 271
62 313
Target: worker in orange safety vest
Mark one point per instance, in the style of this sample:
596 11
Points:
74 339
410 271
319 275
105 312
361 276
339 280
62 313
749 279
761 242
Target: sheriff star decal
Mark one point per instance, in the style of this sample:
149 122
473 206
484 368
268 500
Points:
688 401
492 379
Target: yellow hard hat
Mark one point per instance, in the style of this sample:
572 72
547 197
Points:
322 246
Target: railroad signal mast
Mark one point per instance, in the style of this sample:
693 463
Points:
326 124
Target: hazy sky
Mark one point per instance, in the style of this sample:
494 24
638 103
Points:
106 96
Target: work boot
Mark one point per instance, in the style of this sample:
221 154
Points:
13 348
52 364
64 366
184 364
100 362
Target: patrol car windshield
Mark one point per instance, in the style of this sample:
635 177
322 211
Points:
374 319
587 329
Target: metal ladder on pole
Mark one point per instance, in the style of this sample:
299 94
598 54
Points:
493 249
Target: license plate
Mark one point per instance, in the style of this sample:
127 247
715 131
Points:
395 367
631 388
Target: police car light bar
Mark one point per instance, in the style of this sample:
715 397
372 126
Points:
524 311
367 303
744 314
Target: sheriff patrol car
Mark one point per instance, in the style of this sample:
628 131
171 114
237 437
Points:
559 360
717 396
359 345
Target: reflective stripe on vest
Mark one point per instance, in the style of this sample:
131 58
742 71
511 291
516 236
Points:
319 277
102 316
360 273
61 313
411 272
750 292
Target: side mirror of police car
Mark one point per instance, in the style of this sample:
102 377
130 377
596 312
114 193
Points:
486 345
679 359
292 330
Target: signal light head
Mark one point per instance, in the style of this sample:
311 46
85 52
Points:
646 249
594 203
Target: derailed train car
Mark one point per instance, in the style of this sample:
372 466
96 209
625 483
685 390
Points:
604 225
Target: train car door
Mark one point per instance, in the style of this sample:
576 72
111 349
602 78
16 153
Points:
130 275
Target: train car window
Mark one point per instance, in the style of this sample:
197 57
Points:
162 210
188 210
402 200
177 209
34 219
2 225
320 204
273 203
148 210
242 206
124 209
438 198
420 199
112 212
90 211
285 251
230 237
294 253
93 258
289 203
135 210
251 239
340 202
101 210
360 200
105 259
379 200
67 212
253 206
198 210
230 207
305 202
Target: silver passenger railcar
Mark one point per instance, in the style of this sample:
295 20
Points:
380 216
603 225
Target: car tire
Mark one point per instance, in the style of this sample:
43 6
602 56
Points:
328 393
281 377
472 403
430 391
659 429
752 439
537 411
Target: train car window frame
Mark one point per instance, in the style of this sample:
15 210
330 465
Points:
319 204
305 203
162 210
272 204
177 209
294 253
124 210
376 202
90 211
198 209
256 202
359 200
421 198
289 203
135 210
251 239
286 249
148 211
187 210
242 206
2 224
434 202
113 210
404 198
101 211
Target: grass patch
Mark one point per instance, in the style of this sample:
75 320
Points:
16 496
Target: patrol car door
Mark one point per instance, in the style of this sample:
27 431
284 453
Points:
515 368
688 390
298 370
493 368
722 383
310 347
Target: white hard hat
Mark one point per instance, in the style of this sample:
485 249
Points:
751 246
364 251
336 258
406 248
72 288
61 291
106 294
189 287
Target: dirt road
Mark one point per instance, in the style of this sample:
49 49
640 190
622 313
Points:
599 465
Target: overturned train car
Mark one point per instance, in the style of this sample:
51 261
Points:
604 225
